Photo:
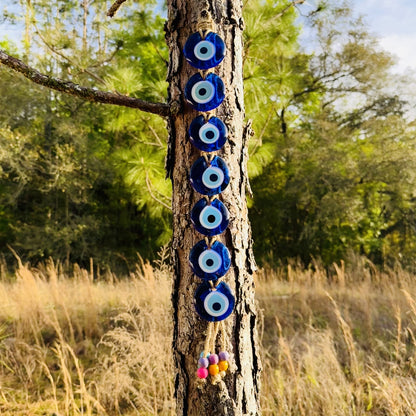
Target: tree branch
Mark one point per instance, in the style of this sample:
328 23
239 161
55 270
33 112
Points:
62 55
293 3
149 188
113 9
90 94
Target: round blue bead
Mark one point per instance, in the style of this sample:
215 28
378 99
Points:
209 263
209 178
210 218
207 136
204 94
204 52
214 304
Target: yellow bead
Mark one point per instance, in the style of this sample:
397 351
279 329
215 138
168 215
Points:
213 369
223 365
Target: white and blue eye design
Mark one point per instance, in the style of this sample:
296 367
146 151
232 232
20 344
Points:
204 94
209 263
207 136
214 304
204 52
209 178
210 218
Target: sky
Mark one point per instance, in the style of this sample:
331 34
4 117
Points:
394 23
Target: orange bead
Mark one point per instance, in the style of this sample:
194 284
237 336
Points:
223 365
213 369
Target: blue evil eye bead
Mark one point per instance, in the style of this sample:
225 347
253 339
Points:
214 304
207 136
204 53
204 94
209 178
209 263
210 218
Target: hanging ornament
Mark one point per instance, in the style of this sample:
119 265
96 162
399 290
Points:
209 177
204 94
207 136
214 304
204 52
210 218
209 263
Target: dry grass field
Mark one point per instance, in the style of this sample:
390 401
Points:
334 343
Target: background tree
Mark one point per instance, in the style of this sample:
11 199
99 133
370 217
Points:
81 185
343 153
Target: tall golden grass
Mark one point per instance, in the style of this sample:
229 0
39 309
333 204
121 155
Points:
334 343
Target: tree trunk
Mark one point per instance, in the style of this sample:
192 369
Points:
238 392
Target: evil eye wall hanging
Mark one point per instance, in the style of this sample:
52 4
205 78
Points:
207 136
214 304
209 259
209 263
209 178
204 94
210 218
204 52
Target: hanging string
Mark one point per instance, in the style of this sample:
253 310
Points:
208 157
210 341
217 377
222 336
206 351
205 25
214 336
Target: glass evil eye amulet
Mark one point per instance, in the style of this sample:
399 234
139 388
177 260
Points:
209 263
214 304
204 94
204 52
209 178
207 136
210 218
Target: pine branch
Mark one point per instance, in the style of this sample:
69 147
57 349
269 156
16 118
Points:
293 3
90 94
149 188
113 9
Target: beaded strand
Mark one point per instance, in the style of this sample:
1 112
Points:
209 258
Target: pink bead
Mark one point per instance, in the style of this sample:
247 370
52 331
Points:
213 359
202 372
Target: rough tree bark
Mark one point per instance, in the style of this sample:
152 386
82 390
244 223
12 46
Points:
238 393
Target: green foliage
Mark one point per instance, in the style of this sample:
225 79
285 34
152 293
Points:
342 174
332 162
69 169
